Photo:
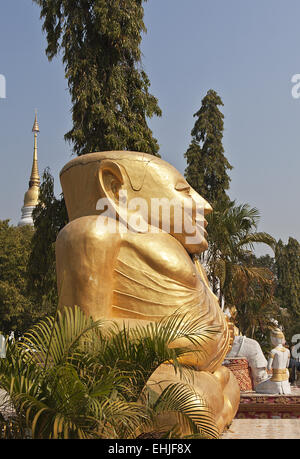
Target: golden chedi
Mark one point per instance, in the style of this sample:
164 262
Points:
31 197
137 268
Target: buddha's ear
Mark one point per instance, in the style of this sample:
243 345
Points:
111 179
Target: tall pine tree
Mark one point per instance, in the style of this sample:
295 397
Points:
207 166
100 44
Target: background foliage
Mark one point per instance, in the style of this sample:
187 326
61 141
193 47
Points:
17 307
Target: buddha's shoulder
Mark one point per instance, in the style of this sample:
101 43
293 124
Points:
90 227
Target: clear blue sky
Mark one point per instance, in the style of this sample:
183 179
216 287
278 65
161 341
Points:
246 50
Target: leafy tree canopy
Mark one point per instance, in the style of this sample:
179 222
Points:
17 310
100 45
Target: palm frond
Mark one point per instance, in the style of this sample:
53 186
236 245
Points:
258 237
53 338
189 409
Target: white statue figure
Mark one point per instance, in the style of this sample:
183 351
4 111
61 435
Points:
278 362
251 350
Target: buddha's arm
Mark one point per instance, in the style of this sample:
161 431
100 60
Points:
216 337
85 259
211 344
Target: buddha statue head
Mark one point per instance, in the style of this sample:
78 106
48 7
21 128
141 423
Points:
152 193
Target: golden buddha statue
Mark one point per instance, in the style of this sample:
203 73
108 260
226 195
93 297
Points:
134 267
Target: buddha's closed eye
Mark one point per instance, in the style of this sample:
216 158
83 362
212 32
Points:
183 186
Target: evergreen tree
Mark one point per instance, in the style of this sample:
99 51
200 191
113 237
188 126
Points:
49 216
207 166
288 275
100 45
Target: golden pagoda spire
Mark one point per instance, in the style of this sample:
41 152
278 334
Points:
34 177
31 197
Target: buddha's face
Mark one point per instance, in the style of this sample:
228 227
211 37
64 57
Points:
168 203
186 210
